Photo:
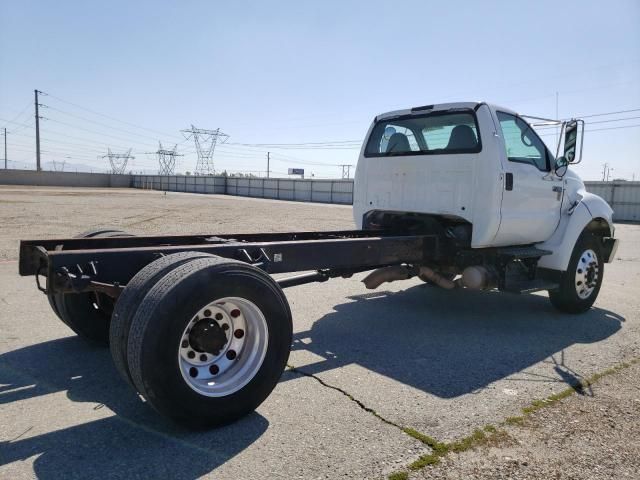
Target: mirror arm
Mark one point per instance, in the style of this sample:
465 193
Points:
560 136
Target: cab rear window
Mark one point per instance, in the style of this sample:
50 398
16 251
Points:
435 133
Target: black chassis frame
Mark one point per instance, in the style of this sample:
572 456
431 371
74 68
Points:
107 264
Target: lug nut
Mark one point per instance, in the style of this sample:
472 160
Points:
207 313
225 326
184 344
238 333
231 354
219 316
203 358
193 372
191 354
235 313
214 369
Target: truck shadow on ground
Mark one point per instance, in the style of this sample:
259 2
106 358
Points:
135 443
443 343
449 343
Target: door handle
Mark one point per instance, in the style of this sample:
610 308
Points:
558 191
508 181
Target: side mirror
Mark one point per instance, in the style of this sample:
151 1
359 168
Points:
561 166
571 141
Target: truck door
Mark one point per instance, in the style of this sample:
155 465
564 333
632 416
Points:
532 196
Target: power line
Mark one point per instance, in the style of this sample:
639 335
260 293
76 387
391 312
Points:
101 124
604 114
19 115
110 117
333 142
597 129
94 132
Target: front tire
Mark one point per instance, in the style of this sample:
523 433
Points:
580 284
209 342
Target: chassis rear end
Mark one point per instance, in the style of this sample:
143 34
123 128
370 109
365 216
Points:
196 324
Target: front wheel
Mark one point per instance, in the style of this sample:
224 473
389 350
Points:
209 341
580 284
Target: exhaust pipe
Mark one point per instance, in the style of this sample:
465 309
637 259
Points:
388 274
403 272
435 277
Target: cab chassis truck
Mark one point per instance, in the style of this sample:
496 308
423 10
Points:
461 195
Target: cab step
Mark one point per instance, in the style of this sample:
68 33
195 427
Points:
517 253
529 286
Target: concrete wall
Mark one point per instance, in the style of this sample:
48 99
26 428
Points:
63 179
303 190
624 198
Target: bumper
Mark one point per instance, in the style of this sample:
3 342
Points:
609 248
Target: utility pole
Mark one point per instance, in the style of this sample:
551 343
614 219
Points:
557 118
37 134
5 148
268 159
605 166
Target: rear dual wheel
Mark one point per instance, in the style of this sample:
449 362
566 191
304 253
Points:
87 314
203 339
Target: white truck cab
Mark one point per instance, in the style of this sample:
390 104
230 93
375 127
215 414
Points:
480 174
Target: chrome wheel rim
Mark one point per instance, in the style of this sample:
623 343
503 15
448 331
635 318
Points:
587 274
223 346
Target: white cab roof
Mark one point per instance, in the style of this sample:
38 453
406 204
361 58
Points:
440 107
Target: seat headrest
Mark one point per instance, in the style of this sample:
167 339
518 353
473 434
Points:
398 142
462 137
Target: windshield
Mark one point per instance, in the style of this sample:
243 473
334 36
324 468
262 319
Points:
434 133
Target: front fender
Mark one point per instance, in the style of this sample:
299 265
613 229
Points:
569 229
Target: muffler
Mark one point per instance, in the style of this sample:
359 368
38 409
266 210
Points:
479 277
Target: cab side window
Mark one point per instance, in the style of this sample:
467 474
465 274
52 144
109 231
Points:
522 143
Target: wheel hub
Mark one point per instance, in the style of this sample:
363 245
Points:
586 278
223 346
207 336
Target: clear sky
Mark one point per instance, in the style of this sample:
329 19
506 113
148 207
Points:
300 72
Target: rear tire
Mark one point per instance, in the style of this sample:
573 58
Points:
580 284
87 314
204 386
130 299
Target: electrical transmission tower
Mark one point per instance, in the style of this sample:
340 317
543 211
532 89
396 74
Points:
118 161
205 141
166 159
346 170
59 166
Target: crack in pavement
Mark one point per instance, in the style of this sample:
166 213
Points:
348 395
